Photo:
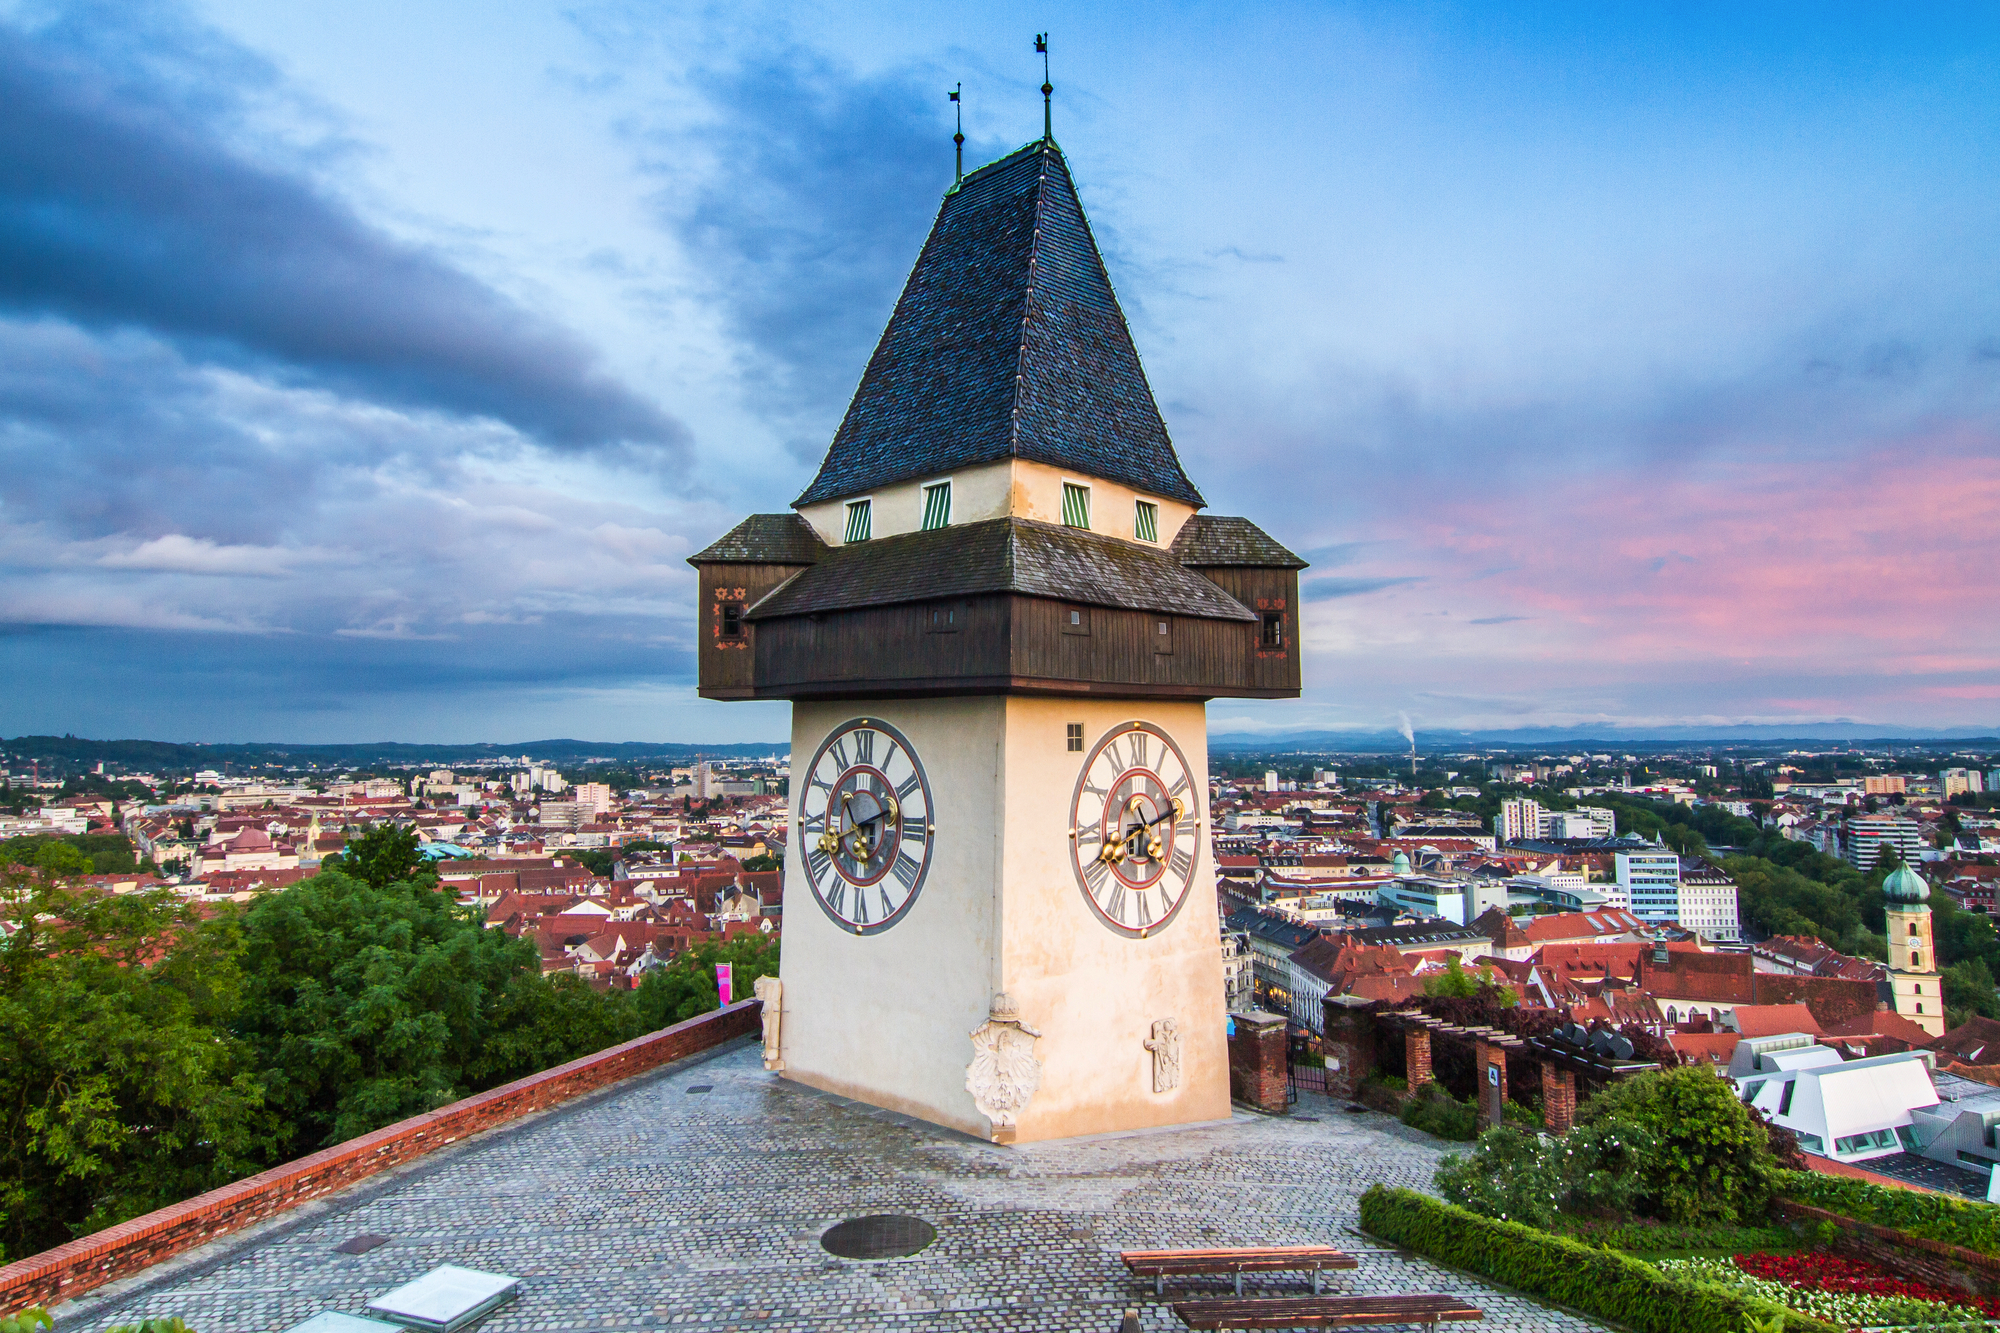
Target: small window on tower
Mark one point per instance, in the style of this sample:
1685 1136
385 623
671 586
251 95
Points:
1163 635
1076 620
732 621
859 519
1076 505
1146 521
937 505
944 618
1274 631
1076 737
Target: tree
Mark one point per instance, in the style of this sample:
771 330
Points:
686 988
1705 1160
369 1003
121 1089
383 855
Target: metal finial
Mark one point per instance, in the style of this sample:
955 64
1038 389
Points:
1048 89
958 139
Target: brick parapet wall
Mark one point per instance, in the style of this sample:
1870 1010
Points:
1917 1258
1257 1073
119 1251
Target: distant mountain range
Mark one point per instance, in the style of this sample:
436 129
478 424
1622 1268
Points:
168 756
1599 737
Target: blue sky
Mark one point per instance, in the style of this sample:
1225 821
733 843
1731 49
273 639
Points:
369 371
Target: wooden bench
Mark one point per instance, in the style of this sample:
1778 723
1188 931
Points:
1163 1264
1327 1312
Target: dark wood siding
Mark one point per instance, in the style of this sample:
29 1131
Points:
1272 592
725 666
1012 644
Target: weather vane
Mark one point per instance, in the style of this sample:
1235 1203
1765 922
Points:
958 139
1048 89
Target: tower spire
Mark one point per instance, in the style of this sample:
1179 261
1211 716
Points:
958 139
1048 89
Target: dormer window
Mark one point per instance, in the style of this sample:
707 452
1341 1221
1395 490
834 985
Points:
859 519
1146 521
937 505
1076 505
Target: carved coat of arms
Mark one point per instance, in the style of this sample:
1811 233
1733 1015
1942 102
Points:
1004 1072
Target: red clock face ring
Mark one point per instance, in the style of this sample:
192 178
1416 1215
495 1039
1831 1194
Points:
865 825
1135 829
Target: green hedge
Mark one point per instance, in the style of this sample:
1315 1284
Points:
1945 1217
1605 1283
1666 1238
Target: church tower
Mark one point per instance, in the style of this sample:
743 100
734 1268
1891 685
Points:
1913 971
1000 613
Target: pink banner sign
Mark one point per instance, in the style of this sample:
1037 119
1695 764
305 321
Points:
724 984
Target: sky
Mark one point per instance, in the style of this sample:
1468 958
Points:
368 371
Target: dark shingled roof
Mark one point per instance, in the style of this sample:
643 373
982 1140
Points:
764 539
1000 555
1206 543
1006 342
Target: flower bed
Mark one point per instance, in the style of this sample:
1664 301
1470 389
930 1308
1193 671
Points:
1839 1290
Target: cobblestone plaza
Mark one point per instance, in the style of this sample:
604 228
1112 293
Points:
696 1196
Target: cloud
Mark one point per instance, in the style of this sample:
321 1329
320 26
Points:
1326 589
822 184
125 203
179 554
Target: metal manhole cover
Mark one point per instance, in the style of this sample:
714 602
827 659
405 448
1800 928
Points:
884 1236
360 1244
700 1088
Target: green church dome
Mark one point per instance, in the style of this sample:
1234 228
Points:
1401 865
1905 885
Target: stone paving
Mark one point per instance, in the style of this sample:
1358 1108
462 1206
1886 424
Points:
654 1205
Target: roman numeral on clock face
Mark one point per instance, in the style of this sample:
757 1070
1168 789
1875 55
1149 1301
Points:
867 852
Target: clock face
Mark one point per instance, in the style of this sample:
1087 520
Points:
865 825
1135 829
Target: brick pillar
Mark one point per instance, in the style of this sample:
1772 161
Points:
1349 1041
1491 1062
1417 1056
1558 1098
1257 1061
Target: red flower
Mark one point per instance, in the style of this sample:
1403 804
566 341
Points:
1838 1273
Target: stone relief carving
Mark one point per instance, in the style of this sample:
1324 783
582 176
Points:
1165 1044
772 992
1004 1072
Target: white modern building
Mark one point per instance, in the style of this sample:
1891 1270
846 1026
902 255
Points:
1849 1111
1459 901
1867 835
1650 885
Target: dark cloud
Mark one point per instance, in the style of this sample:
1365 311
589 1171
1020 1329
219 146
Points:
824 184
124 204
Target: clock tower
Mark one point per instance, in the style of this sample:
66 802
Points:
1000 611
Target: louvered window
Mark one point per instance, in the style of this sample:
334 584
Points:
858 520
1076 505
1146 522
937 506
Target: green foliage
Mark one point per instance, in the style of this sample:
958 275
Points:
1604 1283
1437 1112
80 854
1522 1176
767 862
1708 1160
121 1087
173 1325
1456 983
381 856
366 1003
1969 989
31 1320
1941 1217
686 988
1664 1238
